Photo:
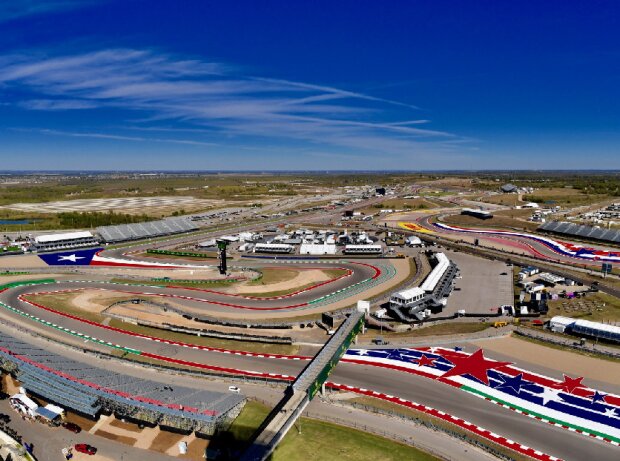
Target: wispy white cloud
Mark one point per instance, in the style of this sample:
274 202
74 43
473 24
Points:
212 100
14 9
115 137
57 104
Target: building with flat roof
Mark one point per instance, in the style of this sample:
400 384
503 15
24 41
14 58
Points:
480 214
410 305
67 240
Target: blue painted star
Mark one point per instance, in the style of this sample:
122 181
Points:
513 382
457 349
598 397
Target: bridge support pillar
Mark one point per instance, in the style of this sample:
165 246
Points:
323 389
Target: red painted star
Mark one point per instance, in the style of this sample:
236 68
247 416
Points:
426 361
474 365
569 384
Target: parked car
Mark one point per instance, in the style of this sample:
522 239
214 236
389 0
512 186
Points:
85 448
234 389
72 427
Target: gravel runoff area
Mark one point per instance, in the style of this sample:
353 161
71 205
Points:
524 351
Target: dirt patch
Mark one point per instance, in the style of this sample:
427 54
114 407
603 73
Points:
118 438
299 278
196 449
21 261
164 441
125 426
85 423
95 300
562 361
9 385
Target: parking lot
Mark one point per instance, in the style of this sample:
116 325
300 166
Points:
483 287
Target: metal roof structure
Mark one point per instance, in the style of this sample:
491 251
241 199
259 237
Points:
579 230
63 237
125 232
88 389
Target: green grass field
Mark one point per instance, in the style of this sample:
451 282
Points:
442 329
597 307
322 441
498 221
182 283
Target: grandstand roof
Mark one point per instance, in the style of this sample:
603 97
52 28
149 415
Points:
410 293
124 232
60 237
81 386
596 233
433 278
598 326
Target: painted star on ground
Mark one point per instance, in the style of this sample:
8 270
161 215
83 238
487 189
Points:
513 382
569 384
425 361
475 365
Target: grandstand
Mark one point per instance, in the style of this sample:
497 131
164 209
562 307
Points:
581 231
126 232
53 242
89 390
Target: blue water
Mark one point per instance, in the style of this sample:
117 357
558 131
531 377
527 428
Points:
15 221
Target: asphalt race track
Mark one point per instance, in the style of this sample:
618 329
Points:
545 438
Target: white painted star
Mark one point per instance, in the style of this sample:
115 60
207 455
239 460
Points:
611 412
550 394
360 351
73 258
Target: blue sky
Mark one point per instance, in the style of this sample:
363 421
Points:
321 85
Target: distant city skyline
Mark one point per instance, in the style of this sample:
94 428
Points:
350 85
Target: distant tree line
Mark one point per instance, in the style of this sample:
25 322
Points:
95 219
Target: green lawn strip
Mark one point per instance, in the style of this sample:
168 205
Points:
540 415
442 329
392 408
26 282
165 254
322 441
166 283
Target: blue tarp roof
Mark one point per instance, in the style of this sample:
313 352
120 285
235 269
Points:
44 412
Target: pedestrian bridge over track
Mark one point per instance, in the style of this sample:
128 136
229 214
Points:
299 394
